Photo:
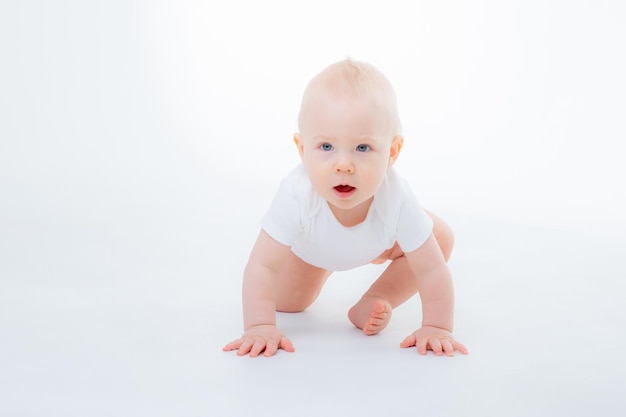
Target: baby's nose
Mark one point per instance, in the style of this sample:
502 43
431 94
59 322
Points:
344 167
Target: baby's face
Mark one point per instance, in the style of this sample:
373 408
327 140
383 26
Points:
346 146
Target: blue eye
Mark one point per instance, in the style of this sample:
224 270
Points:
363 148
326 147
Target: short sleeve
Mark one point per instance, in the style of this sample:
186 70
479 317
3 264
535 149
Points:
414 224
282 220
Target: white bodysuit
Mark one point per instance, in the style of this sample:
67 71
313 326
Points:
300 218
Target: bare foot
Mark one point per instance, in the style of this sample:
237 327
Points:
370 315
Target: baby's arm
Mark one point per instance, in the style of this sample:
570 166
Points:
437 294
259 301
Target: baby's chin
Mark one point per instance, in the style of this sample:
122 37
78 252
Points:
348 203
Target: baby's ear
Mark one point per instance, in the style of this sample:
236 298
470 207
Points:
394 151
297 139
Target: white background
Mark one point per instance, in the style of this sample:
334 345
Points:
510 109
140 143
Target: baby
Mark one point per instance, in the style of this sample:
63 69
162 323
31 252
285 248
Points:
345 206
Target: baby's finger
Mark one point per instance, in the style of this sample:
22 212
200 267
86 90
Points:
460 347
422 346
435 346
257 348
408 341
270 348
286 344
245 347
448 349
234 345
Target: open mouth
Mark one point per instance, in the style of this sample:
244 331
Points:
344 189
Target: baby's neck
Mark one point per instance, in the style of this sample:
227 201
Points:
351 217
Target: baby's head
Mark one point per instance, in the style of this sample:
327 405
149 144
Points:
358 81
349 133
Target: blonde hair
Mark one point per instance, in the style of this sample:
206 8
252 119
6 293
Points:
357 80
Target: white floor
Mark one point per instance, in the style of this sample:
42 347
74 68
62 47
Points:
128 317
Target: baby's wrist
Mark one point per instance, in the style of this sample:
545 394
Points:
438 326
250 326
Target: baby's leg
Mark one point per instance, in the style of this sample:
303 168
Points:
396 285
298 285
443 234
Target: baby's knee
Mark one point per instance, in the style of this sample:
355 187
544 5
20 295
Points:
445 238
296 303
444 235
291 307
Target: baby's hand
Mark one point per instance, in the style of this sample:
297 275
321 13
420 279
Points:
257 339
438 340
